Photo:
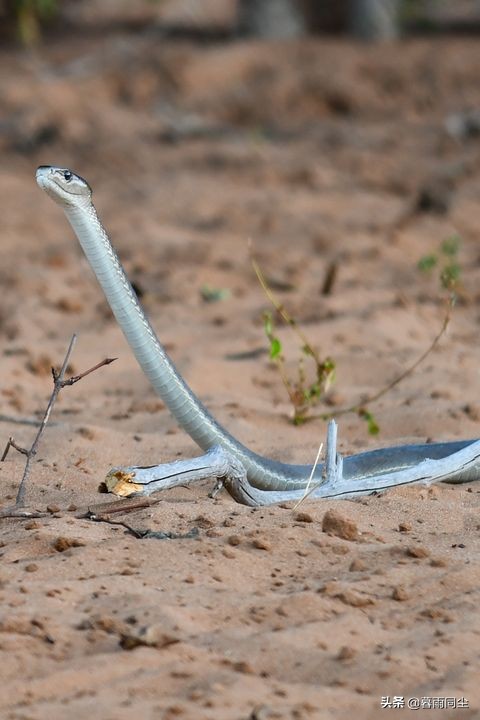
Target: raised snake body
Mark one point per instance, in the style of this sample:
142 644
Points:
74 195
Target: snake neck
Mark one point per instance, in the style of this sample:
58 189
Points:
186 408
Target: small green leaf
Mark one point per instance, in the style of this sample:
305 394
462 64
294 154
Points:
373 426
275 348
427 263
326 370
312 392
211 294
450 276
451 245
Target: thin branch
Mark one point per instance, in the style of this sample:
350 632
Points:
57 386
287 318
329 278
11 443
358 407
75 378
59 382
119 506
310 478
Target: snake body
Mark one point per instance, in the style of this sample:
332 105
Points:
74 195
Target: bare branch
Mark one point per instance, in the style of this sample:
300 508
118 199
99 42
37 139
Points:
360 407
59 382
11 443
75 378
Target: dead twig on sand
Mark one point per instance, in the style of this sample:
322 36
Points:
141 533
102 512
361 408
18 510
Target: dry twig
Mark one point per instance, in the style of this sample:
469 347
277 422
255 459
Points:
361 407
59 382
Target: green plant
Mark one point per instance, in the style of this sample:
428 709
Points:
27 17
304 395
446 260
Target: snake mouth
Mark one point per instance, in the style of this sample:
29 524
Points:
45 180
41 175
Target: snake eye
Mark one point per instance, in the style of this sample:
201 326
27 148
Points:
67 175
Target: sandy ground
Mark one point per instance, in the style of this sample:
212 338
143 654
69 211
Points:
318 151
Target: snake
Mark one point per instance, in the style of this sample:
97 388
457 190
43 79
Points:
263 475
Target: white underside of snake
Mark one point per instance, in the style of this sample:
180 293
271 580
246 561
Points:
248 477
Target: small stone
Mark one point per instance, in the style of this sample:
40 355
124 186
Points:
32 525
330 588
340 549
438 562
204 522
86 433
242 666
404 527
261 544
151 636
53 509
173 711
303 517
399 593
213 533
417 551
346 652
63 543
335 524
472 411
349 597
69 305
234 540
357 565
108 624
31 567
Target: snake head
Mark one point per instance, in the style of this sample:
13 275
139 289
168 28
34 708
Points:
63 185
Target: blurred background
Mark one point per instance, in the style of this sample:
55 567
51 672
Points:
366 19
